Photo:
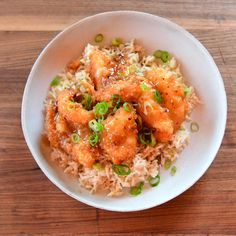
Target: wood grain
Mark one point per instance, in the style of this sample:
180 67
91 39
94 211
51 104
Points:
31 205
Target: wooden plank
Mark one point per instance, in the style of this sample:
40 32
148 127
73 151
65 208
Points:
31 205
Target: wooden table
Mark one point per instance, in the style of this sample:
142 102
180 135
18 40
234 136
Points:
30 204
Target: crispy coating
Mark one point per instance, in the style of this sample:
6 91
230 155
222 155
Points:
155 116
119 138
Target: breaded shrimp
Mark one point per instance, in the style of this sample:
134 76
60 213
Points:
172 93
119 138
50 126
155 116
72 111
127 90
61 125
98 67
84 154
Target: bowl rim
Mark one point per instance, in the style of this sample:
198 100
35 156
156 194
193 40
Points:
82 199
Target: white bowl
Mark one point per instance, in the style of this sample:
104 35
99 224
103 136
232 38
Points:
152 32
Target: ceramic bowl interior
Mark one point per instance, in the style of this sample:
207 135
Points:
153 33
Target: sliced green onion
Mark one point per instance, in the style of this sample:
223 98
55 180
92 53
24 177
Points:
98 166
98 38
157 96
115 102
173 170
143 86
93 139
121 169
165 56
116 41
101 108
75 138
86 101
194 127
127 106
95 125
186 90
136 190
146 137
154 181
167 164
157 54
56 80
146 105
71 105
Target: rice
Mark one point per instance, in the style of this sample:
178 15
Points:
148 160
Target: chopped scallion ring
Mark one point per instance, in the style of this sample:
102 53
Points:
136 190
93 139
194 127
116 41
56 80
157 96
167 164
98 166
143 86
86 101
121 169
75 138
163 55
154 181
99 38
101 108
95 126
187 90
173 170
127 106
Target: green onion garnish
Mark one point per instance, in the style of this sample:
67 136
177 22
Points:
98 166
173 170
56 80
121 169
127 106
115 102
154 181
136 190
116 41
164 55
194 127
86 101
71 105
98 38
157 54
75 138
95 125
93 139
146 137
167 164
101 108
143 86
157 96
186 90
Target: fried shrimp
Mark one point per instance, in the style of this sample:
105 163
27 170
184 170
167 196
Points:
155 116
72 111
50 126
127 90
172 93
84 154
99 67
119 137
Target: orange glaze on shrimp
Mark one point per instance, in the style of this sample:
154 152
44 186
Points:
172 93
99 67
155 116
119 137
127 90
84 154
72 111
